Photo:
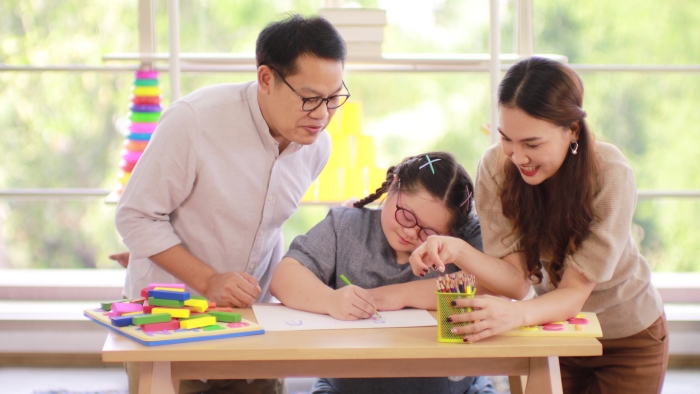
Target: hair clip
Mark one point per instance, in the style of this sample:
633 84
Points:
430 163
468 197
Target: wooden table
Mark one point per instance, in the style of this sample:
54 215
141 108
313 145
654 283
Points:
384 352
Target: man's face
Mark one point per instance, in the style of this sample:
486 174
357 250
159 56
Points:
283 111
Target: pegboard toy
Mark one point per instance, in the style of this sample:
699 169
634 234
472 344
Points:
152 325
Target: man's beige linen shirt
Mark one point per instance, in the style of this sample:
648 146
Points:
213 180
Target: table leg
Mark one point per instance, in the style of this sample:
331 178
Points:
156 378
517 384
545 376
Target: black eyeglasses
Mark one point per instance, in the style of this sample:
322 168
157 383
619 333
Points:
407 219
309 104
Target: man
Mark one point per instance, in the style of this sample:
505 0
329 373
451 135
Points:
227 165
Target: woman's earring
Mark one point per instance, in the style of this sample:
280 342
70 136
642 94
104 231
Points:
574 147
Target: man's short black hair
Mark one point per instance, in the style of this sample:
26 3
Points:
281 43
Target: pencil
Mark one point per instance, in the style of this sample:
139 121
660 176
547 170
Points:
347 282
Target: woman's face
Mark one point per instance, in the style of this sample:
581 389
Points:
538 148
429 213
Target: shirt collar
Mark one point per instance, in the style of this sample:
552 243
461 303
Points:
261 125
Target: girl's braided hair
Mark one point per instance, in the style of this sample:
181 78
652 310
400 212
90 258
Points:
441 176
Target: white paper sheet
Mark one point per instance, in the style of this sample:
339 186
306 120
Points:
277 317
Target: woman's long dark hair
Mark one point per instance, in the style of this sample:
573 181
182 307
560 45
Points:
553 220
442 177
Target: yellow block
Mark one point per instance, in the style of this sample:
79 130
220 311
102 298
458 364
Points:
342 152
355 184
178 289
377 176
365 153
123 177
329 184
174 312
147 91
351 118
132 313
197 305
311 194
198 322
333 127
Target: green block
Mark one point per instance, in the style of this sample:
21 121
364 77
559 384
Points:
107 306
228 317
145 82
169 303
194 297
212 328
148 319
147 117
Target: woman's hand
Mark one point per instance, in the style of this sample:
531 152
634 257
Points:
435 253
351 303
491 316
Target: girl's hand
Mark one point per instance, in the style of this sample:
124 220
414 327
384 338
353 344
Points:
351 303
491 316
435 253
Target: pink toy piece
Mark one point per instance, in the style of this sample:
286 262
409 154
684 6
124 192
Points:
146 74
170 285
237 325
131 157
173 324
142 128
578 320
553 327
125 307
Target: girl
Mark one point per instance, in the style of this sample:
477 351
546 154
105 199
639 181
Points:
556 209
428 195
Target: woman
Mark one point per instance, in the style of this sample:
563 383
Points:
556 210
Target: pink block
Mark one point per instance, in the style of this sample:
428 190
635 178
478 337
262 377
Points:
173 324
143 128
578 320
146 74
131 157
171 285
124 307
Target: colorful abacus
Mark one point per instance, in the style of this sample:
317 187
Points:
145 111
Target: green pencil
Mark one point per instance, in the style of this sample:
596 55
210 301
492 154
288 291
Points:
347 282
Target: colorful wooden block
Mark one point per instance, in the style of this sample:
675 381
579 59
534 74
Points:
212 328
152 318
228 317
120 308
220 309
198 322
169 303
121 321
174 312
144 292
169 295
170 289
107 306
177 285
132 313
197 305
147 308
173 324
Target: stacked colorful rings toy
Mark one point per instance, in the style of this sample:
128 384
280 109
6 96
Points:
145 111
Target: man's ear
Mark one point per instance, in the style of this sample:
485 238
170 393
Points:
265 79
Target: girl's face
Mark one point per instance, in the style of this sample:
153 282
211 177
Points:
428 212
538 148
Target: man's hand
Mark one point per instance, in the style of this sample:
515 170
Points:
236 289
121 258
